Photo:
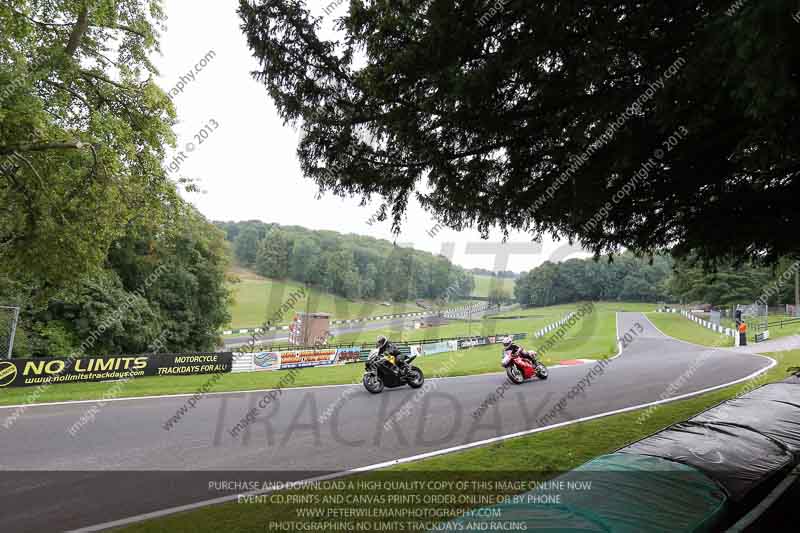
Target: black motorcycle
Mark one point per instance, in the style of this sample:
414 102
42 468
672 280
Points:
381 373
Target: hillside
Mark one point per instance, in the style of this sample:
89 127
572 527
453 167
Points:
257 297
351 266
484 283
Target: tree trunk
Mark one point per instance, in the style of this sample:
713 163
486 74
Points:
78 31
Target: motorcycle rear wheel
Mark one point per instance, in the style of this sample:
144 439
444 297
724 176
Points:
514 374
373 383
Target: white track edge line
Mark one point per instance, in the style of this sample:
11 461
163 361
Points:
427 455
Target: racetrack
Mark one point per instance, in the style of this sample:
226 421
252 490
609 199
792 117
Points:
125 463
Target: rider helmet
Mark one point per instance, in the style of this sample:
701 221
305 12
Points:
507 342
381 342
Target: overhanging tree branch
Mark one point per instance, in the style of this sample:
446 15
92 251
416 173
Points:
78 31
42 147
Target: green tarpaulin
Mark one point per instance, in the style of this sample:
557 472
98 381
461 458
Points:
616 492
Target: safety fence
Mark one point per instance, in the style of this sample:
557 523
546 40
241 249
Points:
54 370
555 325
295 357
702 322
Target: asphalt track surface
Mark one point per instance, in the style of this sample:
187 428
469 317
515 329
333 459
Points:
126 464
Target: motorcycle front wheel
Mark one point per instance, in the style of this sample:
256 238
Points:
373 383
541 371
415 377
514 374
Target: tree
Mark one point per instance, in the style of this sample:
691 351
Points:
83 130
351 265
305 253
272 259
162 281
728 284
498 295
626 278
246 246
617 124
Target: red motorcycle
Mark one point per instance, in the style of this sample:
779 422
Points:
520 368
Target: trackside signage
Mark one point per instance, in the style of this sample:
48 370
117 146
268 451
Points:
27 372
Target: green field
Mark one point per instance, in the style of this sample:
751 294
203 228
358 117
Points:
592 337
483 284
677 326
256 298
538 456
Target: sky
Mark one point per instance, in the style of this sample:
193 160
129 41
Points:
244 161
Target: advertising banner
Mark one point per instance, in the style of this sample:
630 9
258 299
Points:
301 358
469 343
37 371
348 355
435 347
243 362
267 361
432 348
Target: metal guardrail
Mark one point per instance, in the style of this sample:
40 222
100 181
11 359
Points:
284 347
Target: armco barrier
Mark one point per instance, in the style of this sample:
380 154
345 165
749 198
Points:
296 357
705 323
555 325
38 371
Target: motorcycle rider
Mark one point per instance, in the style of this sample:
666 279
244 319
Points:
396 359
515 349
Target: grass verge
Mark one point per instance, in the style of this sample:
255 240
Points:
677 326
